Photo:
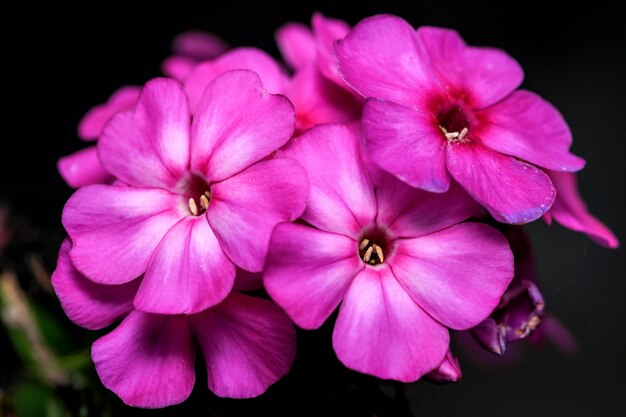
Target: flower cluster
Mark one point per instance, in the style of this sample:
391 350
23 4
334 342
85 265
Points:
386 176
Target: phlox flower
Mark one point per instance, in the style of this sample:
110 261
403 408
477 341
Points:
190 48
194 199
438 108
394 257
148 360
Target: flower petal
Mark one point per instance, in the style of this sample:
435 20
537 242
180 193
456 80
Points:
296 44
273 78
188 271
326 31
570 210
248 344
198 45
238 123
528 127
177 67
380 58
513 191
457 275
149 147
308 271
247 281
318 100
341 199
83 168
407 212
87 304
116 229
406 143
245 208
380 331
488 74
92 123
148 361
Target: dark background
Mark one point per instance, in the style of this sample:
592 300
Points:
62 61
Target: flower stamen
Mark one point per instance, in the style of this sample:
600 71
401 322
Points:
193 207
371 253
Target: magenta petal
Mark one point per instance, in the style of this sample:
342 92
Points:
318 100
149 147
458 274
308 271
380 331
528 127
380 58
198 45
116 229
188 271
513 191
296 44
93 122
570 210
238 123
248 344
448 371
178 67
83 168
407 212
87 304
247 281
489 74
342 197
272 76
245 208
406 143
326 31
148 360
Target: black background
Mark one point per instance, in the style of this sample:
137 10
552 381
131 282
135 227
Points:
62 61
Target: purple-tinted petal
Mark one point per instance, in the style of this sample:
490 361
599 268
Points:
520 311
149 147
407 212
382 332
83 168
513 191
326 31
93 122
248 344
380 58
188 271
458 274
308 271
570 210
148 360
238 123
245 208
198 45
448 371
273 78
116 229
296 44
318 100
406 143
487 74
87 304
341 199
491 336
528 127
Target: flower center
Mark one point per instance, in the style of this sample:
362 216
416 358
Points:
454 124
373 247
197 193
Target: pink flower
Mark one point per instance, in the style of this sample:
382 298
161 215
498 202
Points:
570 210
393 256
148 360
198 197
439 108
190 48
83 167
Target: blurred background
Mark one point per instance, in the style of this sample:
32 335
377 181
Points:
62 61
